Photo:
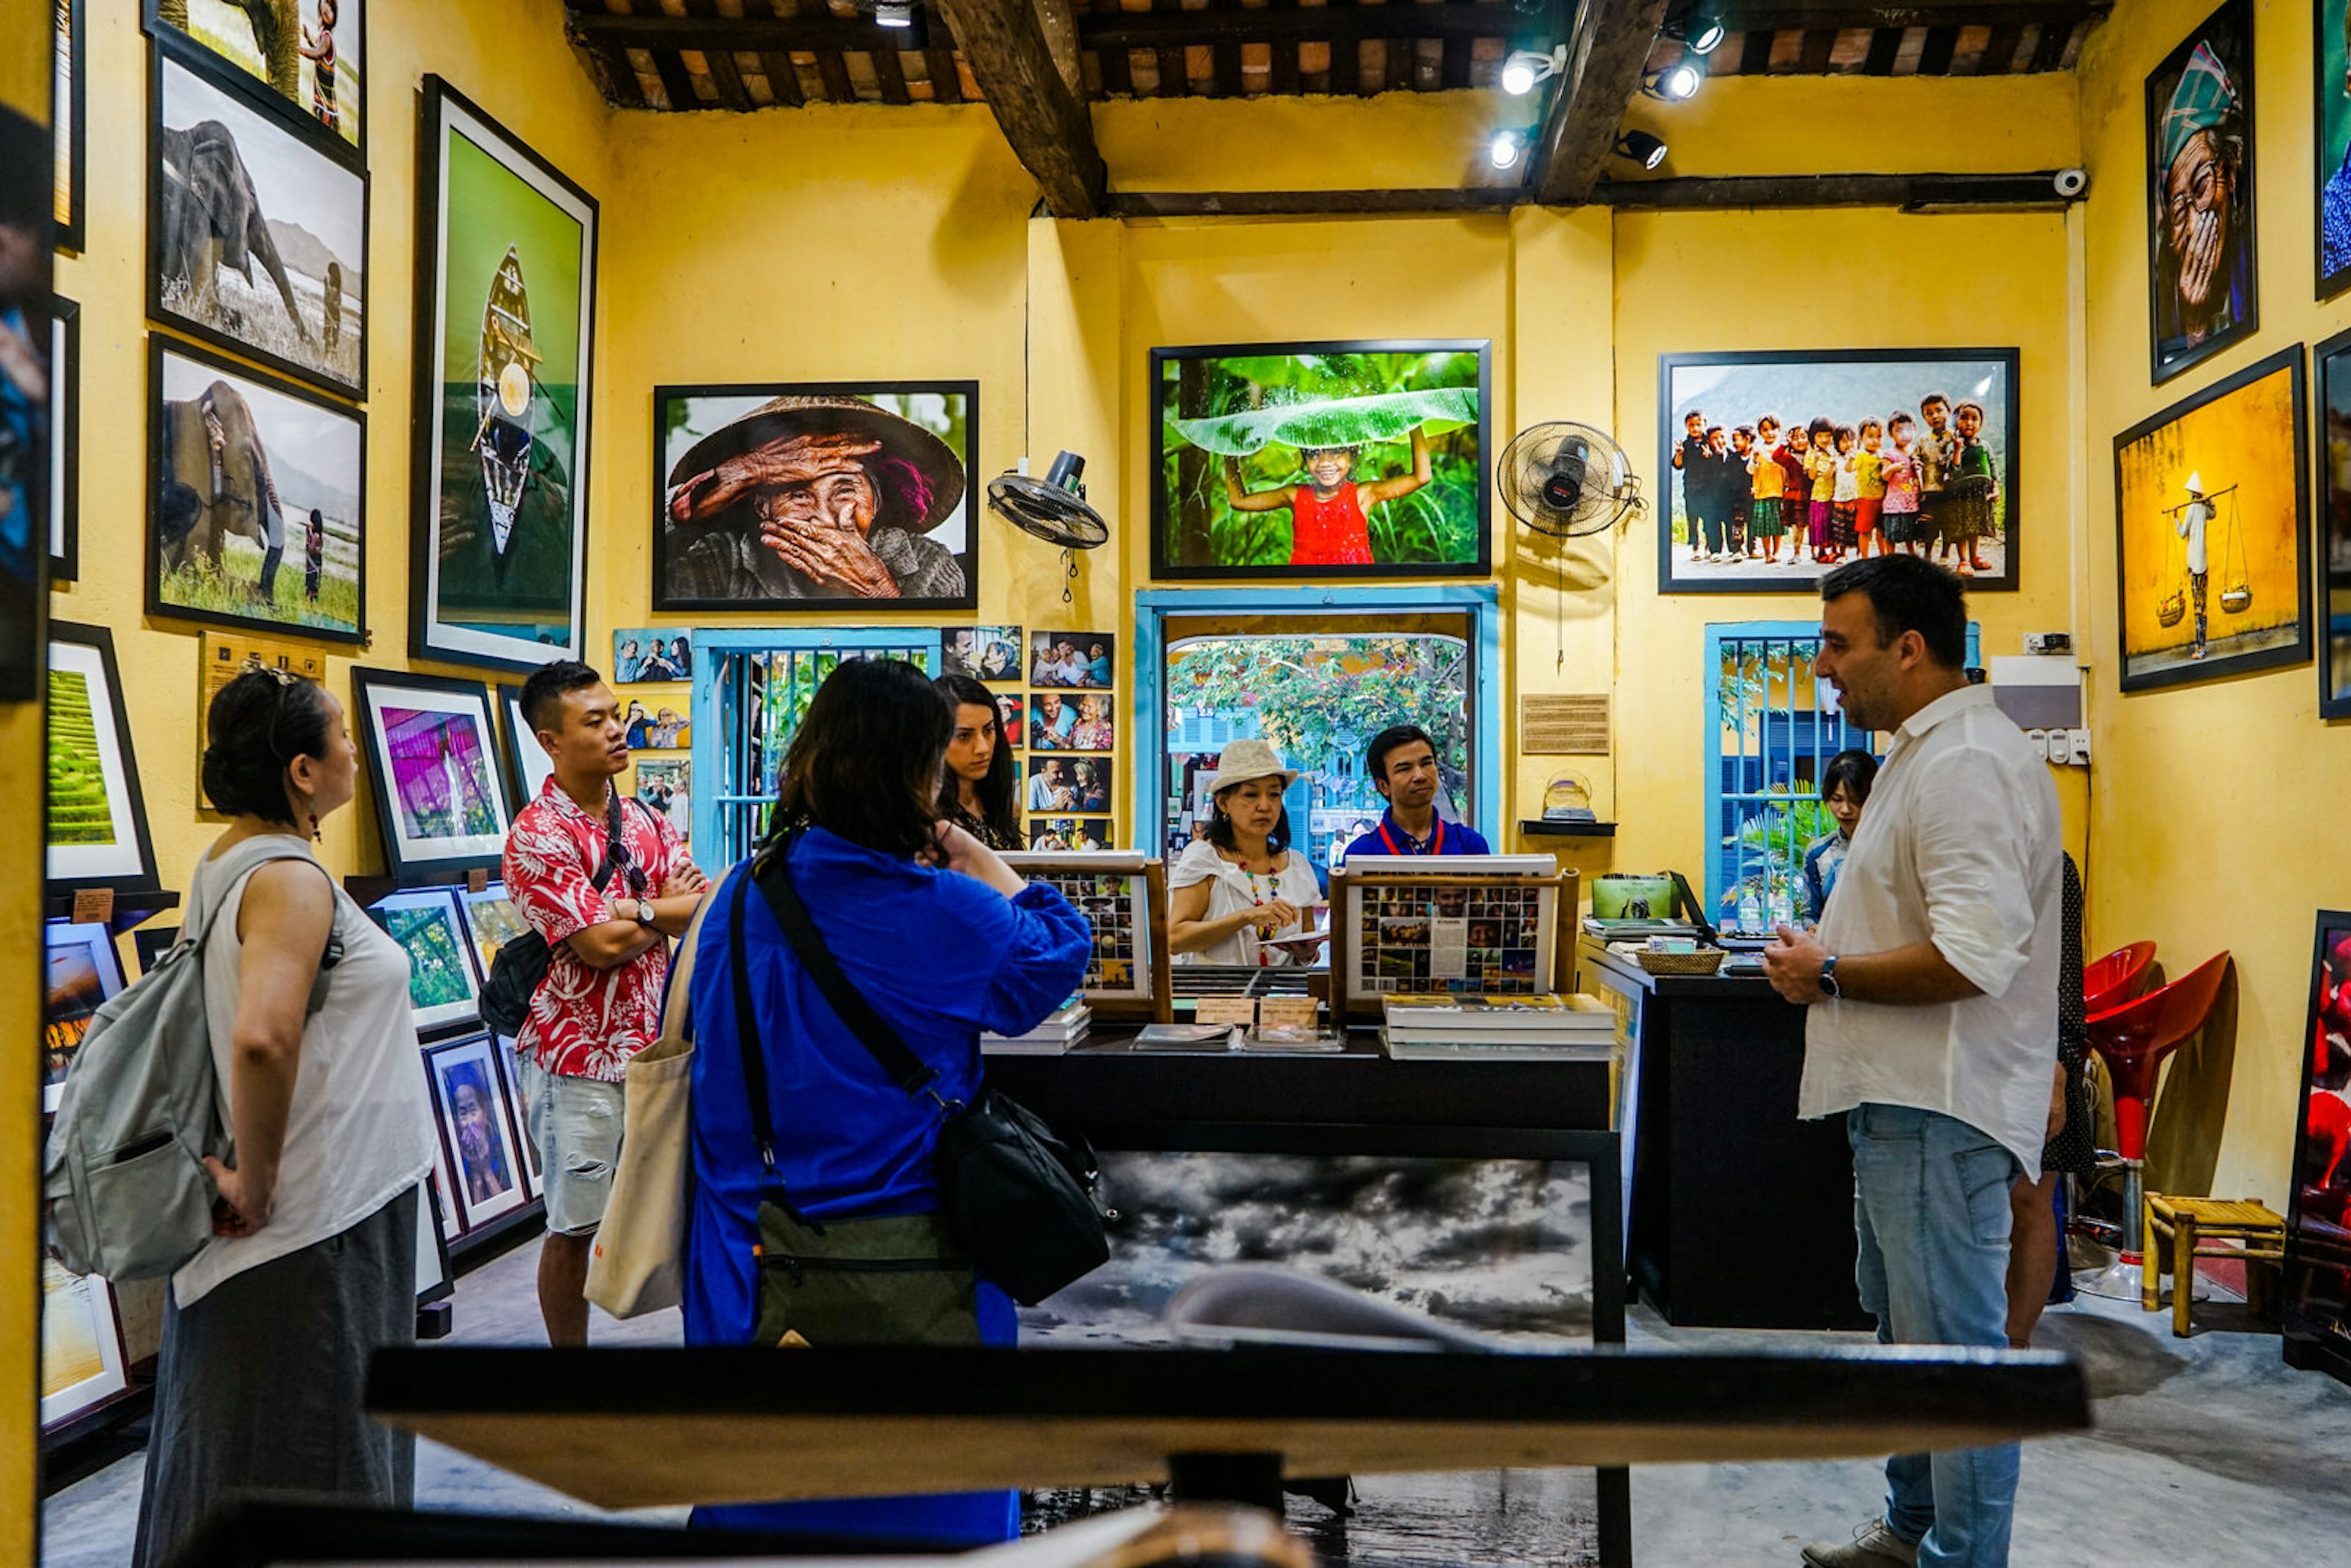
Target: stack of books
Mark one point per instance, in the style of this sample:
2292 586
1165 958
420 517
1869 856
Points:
1065 1030
1499 1028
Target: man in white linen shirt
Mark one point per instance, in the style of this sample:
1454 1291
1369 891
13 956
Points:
1933 981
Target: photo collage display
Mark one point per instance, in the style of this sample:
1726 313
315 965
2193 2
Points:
1414 940
1117 905
1064 725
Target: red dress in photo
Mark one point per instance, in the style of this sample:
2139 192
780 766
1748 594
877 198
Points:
1328 533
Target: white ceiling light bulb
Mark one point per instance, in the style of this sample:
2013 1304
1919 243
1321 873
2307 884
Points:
1517 77
1504 151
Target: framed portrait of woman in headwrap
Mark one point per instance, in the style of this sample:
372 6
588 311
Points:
2200 155
816 496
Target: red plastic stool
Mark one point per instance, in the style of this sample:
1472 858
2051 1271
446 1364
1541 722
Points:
2117 978
2133 1039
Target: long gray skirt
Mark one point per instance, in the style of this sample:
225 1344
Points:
260 1392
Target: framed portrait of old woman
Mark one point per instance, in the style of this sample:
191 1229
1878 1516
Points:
816 496
2202 280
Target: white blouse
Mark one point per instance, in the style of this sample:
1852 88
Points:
1232 890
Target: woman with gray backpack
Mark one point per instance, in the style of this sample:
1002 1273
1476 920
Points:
311 1262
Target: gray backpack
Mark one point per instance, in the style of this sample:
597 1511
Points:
123 1182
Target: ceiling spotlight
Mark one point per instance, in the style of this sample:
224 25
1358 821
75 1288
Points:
1642 148
1525 68
1677 83
894 13
1703 32
1504 150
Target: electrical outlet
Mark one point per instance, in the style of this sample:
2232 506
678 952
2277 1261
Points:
2048 641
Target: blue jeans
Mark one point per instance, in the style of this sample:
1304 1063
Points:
1930 1211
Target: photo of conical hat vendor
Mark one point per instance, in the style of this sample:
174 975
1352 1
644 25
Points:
824 496
1372 465
2202 191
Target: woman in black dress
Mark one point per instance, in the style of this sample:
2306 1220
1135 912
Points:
2036 1249
976 792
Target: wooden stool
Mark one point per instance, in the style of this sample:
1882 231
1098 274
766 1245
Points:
2175 1226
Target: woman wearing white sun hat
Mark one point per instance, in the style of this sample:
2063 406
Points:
1229 894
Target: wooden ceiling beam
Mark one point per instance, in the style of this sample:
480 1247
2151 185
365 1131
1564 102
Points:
1605 61
1318 24
1011 59
1910 192
747 34
1840 16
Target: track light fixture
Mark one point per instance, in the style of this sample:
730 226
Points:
1642 148
893 13
1525 68
1677 83
1699 29
1505 150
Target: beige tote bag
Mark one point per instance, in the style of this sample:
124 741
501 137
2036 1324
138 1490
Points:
637 1264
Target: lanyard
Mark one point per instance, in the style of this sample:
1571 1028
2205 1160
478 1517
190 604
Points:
1435 840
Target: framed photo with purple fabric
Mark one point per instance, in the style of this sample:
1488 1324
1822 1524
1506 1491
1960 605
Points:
439 796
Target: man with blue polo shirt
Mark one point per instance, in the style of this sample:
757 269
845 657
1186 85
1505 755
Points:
1402 761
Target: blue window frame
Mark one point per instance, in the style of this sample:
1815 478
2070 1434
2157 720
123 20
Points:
1770 729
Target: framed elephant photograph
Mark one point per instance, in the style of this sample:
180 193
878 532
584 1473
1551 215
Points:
304 55
506 293
256 500
256 240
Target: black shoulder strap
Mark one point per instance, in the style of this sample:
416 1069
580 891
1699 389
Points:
906 1070
746 1040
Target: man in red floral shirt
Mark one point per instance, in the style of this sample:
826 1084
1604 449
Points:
609 956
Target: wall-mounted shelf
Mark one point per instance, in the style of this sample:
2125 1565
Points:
130 908
1537 828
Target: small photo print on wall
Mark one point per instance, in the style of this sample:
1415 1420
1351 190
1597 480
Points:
1009 712
664 784
657 727
1056 723
646 654
2212 497
1068 784
1048 835
988 654
1082 659
2200 232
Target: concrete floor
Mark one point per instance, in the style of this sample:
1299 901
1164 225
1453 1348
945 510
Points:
2206 1450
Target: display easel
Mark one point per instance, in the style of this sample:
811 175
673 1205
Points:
1149 998
1352 888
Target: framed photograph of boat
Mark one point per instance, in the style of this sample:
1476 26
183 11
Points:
65 439
96 814
2212 519
82 1361
438 798
506 282
816 496
303 57
69 119
256 238
256 497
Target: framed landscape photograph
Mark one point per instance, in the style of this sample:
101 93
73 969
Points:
2211 508
256 240
270 535
82 1361
2334 361
304 55
477 1128
816 496
84 970
2332 125
2202 284
443 988
65 439
97 813
1294 461
70 122
505 285
427 740
1775 467
2317 1313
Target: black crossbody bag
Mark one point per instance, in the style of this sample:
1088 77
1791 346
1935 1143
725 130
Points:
520 967
1017 1198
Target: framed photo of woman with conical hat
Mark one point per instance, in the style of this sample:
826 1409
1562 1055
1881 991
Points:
2204 282
816 496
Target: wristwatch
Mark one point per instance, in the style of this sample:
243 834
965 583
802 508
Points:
1828 981
645 914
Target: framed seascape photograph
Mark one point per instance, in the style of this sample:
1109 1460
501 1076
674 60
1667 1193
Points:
647 654
82 1361
438 796
2331 56
84 970
97 813
443 987
2317 1310
1776 467
70 122
2333 362
1291 461
1082 659
528 766
2202 284
817 496
491 922
2211 502
271 533
65 439
256 239
505 285
477 1128
304 55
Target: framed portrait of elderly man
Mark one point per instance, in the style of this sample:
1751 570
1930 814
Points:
816 496
505 285
2203 293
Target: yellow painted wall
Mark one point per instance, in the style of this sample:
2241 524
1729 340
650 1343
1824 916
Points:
2211 822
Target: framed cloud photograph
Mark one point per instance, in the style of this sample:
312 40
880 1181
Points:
528 766
84 970
816 496
2202 283
1293 461
256 238
255 502
97 813
82 1361
1081 659
478 1127
2333 358
506 284
303 56
70 122
428 744
2211 507
1778 466
444 987
646 654
64 440
2330 55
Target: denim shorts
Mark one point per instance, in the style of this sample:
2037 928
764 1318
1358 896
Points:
575 1123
